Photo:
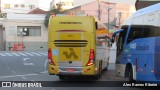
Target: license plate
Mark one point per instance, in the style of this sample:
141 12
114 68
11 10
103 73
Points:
70 70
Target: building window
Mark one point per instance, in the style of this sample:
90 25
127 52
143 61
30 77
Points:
7 6
28 30
31 7
16 5
22 5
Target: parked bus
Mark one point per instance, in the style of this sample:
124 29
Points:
138 46
74 49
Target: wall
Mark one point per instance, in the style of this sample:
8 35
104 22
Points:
82 2
30 42
92 9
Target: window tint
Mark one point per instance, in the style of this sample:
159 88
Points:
142 31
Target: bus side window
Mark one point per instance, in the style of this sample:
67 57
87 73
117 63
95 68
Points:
135 33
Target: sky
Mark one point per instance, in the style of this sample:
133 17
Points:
44 4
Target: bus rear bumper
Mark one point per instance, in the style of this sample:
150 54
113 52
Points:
60 70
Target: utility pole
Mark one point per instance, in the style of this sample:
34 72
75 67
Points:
108 10
99 11
119 15
108 16
0 7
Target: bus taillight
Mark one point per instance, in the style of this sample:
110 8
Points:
91 58
50 56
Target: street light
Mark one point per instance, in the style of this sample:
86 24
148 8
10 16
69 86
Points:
108 10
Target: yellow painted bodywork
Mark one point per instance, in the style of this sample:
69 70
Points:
86 25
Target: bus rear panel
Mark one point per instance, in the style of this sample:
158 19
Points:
72 45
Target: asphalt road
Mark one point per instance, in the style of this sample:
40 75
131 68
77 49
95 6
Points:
32 66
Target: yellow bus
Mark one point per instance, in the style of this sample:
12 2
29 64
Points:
74 49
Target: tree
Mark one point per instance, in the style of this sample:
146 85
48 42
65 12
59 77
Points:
55 10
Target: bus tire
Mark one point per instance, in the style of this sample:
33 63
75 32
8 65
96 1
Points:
106 68
61 77
99 72
130 73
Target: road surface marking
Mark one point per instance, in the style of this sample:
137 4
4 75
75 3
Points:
2 54
25 62
9 54
36 53
32 80
30 54
14 72
15 54
43 53
24 77
19 75
44 72
22 54
45 64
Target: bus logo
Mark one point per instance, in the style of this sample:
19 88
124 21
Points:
133 45
70 54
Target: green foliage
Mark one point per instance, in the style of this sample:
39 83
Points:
54 10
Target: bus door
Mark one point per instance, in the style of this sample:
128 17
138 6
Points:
120 45
120 57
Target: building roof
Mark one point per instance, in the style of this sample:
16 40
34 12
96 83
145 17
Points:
13 16
37 11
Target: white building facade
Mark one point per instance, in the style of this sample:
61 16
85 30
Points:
18 6
26 29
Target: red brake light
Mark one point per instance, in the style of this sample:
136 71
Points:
49 53
91 58
50 56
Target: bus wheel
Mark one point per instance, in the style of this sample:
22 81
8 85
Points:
106 68
61 77
99 72
130 74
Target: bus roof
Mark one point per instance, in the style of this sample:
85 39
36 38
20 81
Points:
148 9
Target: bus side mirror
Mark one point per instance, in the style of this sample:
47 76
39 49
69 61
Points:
112 40
114 35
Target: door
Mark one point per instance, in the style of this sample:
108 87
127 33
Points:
120 44
120 57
